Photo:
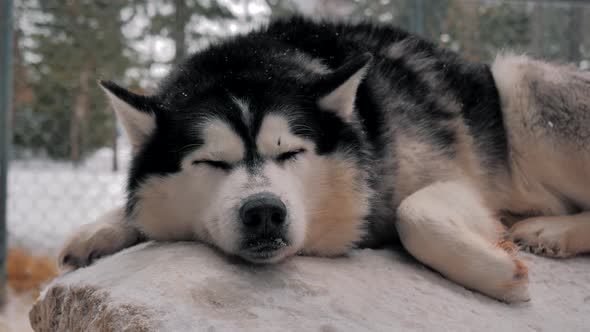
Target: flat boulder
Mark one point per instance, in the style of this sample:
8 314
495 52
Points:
191 287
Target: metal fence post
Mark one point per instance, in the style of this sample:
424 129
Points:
6 30
419 17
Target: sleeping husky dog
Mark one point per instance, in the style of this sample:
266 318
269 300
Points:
313 138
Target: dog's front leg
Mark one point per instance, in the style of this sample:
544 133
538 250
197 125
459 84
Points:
447 227
105 236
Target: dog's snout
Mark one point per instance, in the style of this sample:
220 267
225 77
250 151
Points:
263 213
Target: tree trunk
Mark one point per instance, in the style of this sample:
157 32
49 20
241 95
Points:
23 93
18 84
115 145
79 121
538 30
182 17
574 34
470 30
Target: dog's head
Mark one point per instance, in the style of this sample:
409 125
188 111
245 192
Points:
261 157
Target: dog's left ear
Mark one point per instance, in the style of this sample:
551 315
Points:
337 90
135 112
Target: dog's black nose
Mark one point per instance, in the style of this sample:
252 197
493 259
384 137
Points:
263 213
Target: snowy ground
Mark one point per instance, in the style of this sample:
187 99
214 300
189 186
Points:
49 199
14 316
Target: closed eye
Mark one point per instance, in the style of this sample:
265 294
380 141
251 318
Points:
215 164
289 155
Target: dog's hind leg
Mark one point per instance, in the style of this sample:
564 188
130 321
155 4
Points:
105 236
554 236
446 227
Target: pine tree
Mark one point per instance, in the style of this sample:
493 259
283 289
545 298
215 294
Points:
73 43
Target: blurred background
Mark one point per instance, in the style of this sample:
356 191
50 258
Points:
67 153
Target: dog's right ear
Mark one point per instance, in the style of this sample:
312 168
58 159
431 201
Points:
338 89
134 111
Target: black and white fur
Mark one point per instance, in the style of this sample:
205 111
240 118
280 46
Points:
360 133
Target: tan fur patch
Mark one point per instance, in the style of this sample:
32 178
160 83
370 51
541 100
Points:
161 212
336 223
507 246
419 164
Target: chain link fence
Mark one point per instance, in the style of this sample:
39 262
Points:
69 155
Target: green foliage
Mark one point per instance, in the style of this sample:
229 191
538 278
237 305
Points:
74 43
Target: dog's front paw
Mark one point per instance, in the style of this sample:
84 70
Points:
517 288
506 279
544 237
88 244
103 237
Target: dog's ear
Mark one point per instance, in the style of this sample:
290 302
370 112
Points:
337 90
133 110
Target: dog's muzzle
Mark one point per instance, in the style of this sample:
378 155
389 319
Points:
263 218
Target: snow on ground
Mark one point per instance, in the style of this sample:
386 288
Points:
47 199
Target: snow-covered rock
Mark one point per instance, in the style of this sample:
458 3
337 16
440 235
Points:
190 287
